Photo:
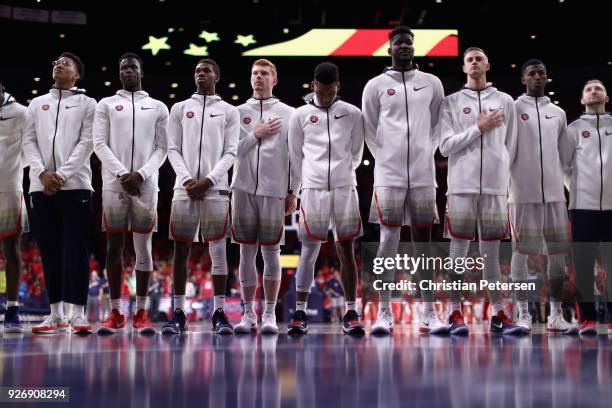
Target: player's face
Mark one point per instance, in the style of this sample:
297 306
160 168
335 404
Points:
475 64
130 73
262 78
65 70
205 75
594 94
326 93
402 48
535 77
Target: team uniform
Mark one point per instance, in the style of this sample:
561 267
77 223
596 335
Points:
401 111
538 212
260 185
129 134
13 215
325 149
478 176
58 137
589 177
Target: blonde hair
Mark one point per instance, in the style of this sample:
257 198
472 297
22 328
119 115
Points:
267 63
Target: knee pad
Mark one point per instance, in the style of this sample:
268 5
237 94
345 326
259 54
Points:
518 268
556 266
142 248
305 272
248 267
272 266
216 249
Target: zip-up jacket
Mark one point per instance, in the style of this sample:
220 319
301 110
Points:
326 145
262 167
58 137
588 162
536 175
400 115
477 163
203 134
129 134
12 122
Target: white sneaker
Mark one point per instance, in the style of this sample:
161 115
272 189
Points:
79 324
557 324
429 323
268 324
247 325
52 324
384 322
524 321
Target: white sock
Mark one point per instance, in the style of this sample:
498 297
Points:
555 307
350 305
57 309
428 307
269 308
116 305
523 307
300 306
455 306
249 307
219 301
11 303
78 310
68 311
497 306
179 302
141 302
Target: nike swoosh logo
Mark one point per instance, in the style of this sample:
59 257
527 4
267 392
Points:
143 108
549 117
418 89
608 133
70 107
499 326
84 201
338 117
3 118
212 115
494 109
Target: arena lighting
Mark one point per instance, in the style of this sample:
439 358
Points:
289 261
195 50
156 44
359 43
174 85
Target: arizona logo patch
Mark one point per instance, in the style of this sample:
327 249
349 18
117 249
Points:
391 91
314 119
246 120
119 108
190 114
524 116
467 111
45 107
586 134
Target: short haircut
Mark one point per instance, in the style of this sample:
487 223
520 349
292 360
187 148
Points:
326 73
530 62
470 49
131 55
266 63
211 62
593 81
77 61
402 29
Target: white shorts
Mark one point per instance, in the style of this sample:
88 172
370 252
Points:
122 212
322 210
337 301
199 220
257 219
465 212
537 226
13 214
396 206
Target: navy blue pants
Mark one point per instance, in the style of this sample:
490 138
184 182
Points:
60 224
591 237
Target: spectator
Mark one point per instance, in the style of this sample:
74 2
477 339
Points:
93 297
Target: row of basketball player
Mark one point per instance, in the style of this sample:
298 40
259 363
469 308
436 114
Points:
492 143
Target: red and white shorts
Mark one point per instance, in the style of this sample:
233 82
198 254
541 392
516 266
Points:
396 206
122 212
257 219
465 212
13 214
199 220
537 227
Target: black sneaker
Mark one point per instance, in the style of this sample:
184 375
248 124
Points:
299 323
11 320
351 324
220 324
177 325
502 324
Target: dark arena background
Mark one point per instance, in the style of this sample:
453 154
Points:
324 367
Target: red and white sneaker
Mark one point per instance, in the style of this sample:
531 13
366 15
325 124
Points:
114 323
141 323
588 328
80 325
51 325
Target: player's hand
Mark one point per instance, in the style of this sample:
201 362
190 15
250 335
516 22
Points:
196 190
131 183
490 120
264 130
290 204
51 182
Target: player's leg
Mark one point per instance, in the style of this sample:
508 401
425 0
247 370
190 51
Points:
144 267
247 271
271 285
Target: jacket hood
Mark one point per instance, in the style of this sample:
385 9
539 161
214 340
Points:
200 98
128 94
8 99
484 93
397 74
592 117
530 100
311 100
255 102
67 92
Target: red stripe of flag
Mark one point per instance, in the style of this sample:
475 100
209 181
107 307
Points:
447 47
363 43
